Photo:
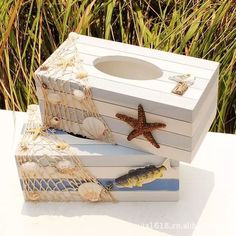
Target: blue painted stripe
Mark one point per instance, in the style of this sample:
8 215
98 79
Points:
72 185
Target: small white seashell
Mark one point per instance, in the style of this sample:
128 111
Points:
54 98
90 191
30 168
79 95
66 167
93 128
55 121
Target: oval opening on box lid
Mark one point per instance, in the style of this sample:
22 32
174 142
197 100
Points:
127 68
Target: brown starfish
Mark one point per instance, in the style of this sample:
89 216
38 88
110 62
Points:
140 126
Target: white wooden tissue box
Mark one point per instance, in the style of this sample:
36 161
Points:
121 85
56 166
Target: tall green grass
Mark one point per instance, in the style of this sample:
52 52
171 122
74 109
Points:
31 30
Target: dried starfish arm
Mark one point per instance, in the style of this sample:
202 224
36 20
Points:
149 137
131 121
141 114
135 133
152 126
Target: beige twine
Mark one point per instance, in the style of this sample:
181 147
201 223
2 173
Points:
35 143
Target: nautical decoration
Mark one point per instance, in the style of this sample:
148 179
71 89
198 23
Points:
184 82
93 128
141 127
90 191
65 167
144 175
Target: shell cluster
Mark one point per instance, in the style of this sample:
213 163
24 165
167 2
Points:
90 191
93 128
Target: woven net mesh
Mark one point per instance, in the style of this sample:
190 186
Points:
48 167
62 73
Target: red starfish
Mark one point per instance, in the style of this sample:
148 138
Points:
141 127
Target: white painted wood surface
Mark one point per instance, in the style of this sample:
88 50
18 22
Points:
186 116
103 160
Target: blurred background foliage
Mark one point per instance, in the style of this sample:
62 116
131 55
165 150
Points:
31 30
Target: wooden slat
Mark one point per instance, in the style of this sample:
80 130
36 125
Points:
163 65
100 172
137 50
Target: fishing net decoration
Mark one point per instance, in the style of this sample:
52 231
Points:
65 72
48 168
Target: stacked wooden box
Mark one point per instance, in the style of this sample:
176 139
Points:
123 79
42 180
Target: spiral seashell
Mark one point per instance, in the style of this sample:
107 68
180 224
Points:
54 98
90 191
79 95
55 121
93 128
30 168
66 167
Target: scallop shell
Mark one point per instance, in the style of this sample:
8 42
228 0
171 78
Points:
30 168
93 128
90 191
79 95
66 167
55 121
54 98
